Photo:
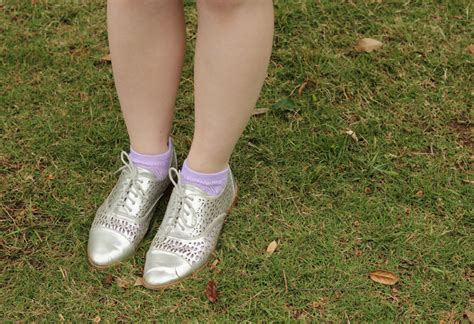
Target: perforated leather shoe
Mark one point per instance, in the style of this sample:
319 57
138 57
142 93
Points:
123 219
188 234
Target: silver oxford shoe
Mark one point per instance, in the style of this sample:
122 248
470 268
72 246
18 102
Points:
188 234
123 219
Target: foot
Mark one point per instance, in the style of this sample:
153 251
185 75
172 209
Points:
188 234
123 219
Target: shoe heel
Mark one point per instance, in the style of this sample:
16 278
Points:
236 199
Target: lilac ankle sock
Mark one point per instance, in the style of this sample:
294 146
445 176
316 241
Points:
158 164
211 183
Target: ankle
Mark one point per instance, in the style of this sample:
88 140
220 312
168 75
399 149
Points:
205 166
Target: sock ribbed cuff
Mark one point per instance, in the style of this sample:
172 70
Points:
156 163
211 183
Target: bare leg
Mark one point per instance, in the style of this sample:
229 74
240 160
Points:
147 43
233 48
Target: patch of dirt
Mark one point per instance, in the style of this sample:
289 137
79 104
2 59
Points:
465 131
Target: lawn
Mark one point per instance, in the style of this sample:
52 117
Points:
369 167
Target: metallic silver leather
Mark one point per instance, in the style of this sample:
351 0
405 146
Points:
188 234
122 220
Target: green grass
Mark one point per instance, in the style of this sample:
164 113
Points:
339 208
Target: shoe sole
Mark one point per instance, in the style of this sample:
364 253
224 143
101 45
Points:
103 267
174 283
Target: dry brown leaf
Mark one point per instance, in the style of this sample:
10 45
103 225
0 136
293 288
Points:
108 280
97 319
352 134
214 264
429 83
211 291
384 277
470 316
259 111
122 283
368 45
470 49
358 253
419 194
106 58
319 304
272 247
301 88
138 282
83 96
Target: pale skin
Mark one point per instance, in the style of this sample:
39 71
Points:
233 47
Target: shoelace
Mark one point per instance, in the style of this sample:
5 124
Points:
185 200
134 186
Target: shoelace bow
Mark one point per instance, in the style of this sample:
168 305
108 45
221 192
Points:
185 200
134 186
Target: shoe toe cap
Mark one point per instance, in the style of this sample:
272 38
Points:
163 269
106 247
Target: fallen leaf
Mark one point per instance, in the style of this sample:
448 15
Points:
97 319
302 86
108 280
384 277
367 190
419 194
358 253
368 45
138 282
429 83
470 49
272 247
352 134
259 111
211 291
214 264
50 176
470 316
83 96
122 283
299 314
320 304
106 58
